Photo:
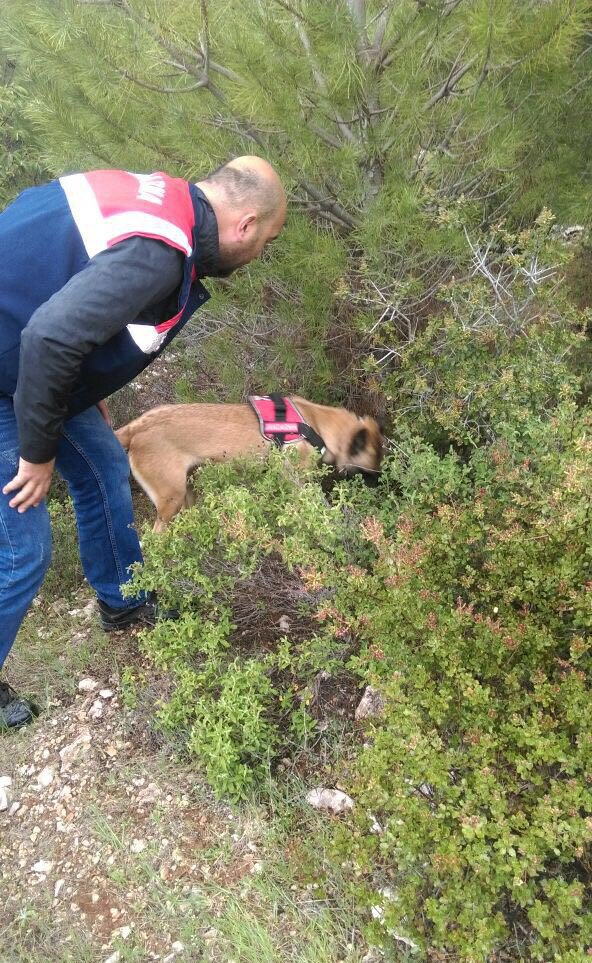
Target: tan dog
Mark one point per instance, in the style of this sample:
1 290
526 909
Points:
167 442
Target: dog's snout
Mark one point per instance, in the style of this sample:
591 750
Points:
371 478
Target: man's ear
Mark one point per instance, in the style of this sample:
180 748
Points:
359 442
246 226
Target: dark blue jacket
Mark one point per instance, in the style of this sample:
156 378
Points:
48 239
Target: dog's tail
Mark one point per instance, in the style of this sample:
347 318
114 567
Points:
124 436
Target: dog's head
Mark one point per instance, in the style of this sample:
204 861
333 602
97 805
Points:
359 448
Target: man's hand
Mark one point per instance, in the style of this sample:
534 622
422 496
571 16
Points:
33 482
102 406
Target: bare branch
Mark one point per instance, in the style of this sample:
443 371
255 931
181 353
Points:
164 90
449 84
325 136
329 205
205 39
382 18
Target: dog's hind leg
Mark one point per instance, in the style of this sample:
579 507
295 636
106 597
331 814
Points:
170 500
163 478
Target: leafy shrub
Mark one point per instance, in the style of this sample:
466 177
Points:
242 695
503 347
475 620
461 589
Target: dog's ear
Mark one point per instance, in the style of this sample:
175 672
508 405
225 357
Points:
359 442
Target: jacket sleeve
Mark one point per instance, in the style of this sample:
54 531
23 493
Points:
111 291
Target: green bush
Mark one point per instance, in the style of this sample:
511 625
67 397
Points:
460 588
232 566
474 621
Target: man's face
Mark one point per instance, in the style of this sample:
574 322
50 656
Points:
234 254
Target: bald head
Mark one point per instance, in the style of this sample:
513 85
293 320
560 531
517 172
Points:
250 206
249 180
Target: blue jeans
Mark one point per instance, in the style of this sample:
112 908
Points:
96 470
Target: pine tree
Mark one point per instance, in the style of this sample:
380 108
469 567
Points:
19 164
395 125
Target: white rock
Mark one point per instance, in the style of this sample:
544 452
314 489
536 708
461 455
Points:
5 781
375 826
74 750
332 800
106 693
114 958
87 685
42 866
14 808
404 939
138 845
284 623
58 887
149 794
371 704
4 800
177 947
374 955
96 710
46 776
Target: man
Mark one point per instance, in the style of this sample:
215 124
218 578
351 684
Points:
99 272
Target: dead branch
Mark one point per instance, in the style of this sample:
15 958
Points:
450 83
328 204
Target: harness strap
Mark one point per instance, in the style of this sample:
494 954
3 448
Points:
279 405
280 431
312 437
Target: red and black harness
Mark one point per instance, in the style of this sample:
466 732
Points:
281 423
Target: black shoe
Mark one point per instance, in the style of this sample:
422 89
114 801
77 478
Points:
146 613
14 711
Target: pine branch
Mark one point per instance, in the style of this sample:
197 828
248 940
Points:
322 83
291 9
357 10
450 83
328 205
164 90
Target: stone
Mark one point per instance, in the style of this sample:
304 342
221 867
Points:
42 866
5 781
371 704
46 777
4 800
331 800
96 710
149 794
70 753
87 685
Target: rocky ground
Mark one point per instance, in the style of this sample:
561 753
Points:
113 850
96 833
